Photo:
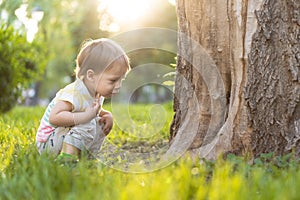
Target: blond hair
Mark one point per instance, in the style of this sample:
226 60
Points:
99 55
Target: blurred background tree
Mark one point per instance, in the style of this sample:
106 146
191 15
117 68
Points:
19 65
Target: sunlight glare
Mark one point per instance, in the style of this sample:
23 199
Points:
173 2
125 11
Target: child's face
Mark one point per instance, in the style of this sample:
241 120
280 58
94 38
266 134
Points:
108 82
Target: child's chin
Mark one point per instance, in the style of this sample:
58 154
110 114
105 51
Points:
113 94
110 95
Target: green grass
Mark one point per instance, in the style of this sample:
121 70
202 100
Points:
26 175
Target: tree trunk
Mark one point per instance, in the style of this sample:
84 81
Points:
241 108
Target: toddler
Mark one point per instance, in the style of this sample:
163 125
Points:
74 120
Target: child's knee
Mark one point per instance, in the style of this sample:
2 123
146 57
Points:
72 143
70 149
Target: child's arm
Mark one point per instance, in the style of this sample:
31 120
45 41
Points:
62 115
107 120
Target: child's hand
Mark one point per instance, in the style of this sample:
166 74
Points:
107 120
92 111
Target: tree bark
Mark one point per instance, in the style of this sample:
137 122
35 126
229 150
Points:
248 111
273 89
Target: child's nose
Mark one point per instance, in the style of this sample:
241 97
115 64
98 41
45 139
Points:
118 84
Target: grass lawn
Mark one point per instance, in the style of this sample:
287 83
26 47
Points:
26 175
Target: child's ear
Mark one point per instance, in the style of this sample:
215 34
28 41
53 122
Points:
90 75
